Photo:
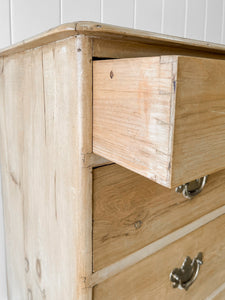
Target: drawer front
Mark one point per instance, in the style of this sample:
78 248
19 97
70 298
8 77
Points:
218 294
162 117
130 211
149 279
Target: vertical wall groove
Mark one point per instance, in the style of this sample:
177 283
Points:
101 10
10 22
222 29
185 18
162 16
60 11
135 14
205 20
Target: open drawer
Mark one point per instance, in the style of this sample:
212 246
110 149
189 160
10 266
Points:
162 117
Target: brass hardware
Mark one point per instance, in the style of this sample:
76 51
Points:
193 188
184 277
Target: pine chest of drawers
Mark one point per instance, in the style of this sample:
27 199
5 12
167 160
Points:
113 165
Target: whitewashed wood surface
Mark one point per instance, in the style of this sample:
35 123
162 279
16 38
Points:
19 19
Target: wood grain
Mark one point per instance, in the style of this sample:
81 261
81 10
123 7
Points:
130 211
149 279
93 160
99 30
47 159
120 48
45 130
162 117
218 294
199 133
133 108
151 248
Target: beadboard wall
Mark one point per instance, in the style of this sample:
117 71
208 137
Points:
196 19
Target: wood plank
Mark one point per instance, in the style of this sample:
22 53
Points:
3 283
152 248
93 160
149 279
162 117
94 29
45 130
114 48
200 115
132 108
218 294
130 211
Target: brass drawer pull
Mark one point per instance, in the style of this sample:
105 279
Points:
192 188
184 277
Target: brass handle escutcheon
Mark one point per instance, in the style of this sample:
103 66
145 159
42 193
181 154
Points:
184 277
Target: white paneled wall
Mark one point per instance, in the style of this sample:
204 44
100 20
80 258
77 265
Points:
174 17
79 10
197 19
118 12
148 15
214 17
5 28
195 15
28 17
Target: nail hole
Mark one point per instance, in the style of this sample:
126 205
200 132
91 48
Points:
138 224
111 74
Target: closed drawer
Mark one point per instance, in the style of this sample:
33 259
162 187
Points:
219 294
162 117
149 279
130 211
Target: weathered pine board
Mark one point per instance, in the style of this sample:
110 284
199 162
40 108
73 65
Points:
149 279
107 31
130 211
162 117
119 48
45 132
218 294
